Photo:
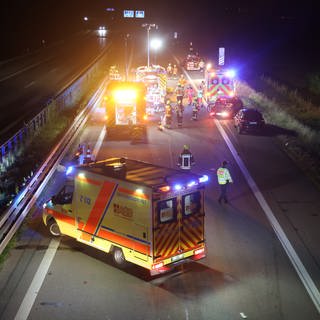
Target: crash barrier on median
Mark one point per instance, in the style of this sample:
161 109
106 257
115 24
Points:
66 98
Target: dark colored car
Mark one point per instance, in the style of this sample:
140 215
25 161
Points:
248 119
225 107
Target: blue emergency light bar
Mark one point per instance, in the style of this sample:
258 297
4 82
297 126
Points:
179 186
69 170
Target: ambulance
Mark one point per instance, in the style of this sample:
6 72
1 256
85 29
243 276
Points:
141 213
219 83
125 107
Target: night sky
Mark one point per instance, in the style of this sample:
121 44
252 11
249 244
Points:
262 28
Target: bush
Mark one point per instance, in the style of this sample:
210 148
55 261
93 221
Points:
314 83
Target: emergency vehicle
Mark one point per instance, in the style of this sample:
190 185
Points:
192 62
125 107
149 215
114 73
219 84
155 80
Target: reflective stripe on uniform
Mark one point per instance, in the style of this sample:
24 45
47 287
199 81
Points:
185 161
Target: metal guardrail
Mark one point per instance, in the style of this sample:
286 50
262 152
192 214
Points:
15 214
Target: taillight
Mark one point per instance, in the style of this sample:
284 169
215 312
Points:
157 266
199 251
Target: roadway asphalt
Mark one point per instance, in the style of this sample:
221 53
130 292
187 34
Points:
246 274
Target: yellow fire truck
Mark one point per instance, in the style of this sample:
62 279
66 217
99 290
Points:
125 108
155 80
148 215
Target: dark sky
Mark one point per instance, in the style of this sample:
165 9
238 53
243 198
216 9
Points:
245 25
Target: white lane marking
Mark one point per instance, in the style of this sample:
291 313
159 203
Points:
99 143
29 84
187 313
37 281
291 253
243 316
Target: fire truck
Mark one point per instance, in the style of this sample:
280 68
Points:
155 80
141 213
219 84
125 107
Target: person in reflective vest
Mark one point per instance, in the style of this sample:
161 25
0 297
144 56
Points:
168 115
179 111
169 70
186 159
180 93
224 178
175 71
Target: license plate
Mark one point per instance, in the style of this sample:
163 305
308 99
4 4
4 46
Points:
178 257
252 122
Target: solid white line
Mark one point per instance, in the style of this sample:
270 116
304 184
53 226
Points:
37 281
29 84
291 253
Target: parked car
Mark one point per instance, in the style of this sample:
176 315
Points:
225 108
248 119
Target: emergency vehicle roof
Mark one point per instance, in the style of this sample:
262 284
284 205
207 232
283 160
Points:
138 172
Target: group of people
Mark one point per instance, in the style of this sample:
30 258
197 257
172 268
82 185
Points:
186 161
167 118
172 71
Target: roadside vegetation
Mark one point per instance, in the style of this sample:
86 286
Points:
298 119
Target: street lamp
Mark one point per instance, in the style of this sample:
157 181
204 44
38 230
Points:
148 26
155 45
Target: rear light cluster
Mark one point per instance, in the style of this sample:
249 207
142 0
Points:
157 266
179 186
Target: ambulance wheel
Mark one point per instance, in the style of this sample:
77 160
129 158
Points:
118 257
54 228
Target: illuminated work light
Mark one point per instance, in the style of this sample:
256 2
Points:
139 191
178 187
125 95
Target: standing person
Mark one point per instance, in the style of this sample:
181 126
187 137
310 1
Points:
179 112
224 178
186 159
168 115
180 93
190 94
175 71
169 70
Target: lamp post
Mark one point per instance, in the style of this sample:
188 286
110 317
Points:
155 44
148 26
126 37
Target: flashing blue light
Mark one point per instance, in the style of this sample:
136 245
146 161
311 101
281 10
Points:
204 178
178 187
231 73
69 170
192 183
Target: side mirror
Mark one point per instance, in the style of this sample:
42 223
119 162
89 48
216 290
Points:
53 200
